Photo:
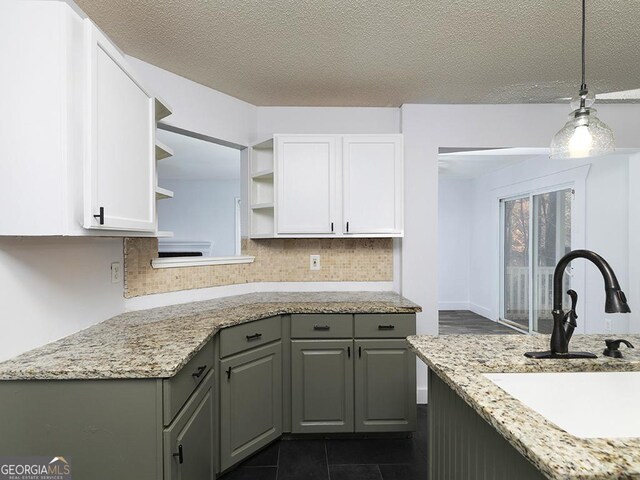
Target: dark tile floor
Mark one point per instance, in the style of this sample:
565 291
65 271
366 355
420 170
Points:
453 322
338 459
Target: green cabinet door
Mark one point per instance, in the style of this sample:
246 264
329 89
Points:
188 441
321 386
250 402
385 386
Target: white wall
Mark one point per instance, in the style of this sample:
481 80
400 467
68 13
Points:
52 287
454 242
428 127
198 108
601 221
202 210
271 120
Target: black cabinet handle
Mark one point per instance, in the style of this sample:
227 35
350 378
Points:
332 226
229 373
199 372
255 336
349 352
180 455
347 227
386 327
321 327
100 216
359 352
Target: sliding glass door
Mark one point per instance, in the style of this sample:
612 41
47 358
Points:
536 233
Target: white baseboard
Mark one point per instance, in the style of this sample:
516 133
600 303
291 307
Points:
482 311
453 305
200 294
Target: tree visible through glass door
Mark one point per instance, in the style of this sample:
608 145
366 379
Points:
536 235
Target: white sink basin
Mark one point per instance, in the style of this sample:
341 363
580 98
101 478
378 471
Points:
584 404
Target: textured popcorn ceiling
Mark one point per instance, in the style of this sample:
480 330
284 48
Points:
381 52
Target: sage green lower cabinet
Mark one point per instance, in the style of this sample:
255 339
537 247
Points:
189 441
250 402
385 386
321 386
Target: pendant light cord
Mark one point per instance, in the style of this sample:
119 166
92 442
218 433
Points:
583 86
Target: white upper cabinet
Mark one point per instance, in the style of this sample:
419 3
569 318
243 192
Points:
77 129
327 186
306 184
120 156
372 180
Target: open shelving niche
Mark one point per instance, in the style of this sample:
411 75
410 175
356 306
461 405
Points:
262 190
162 151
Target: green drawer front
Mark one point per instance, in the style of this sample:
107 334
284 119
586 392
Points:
249 335
176 390
385 325
320 325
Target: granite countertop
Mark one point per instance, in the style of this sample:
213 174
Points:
460 361
157 343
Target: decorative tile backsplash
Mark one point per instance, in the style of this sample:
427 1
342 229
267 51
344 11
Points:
276 260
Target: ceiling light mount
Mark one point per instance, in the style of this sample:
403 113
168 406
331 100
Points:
584 134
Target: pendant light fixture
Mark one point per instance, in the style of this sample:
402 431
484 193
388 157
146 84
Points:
584 134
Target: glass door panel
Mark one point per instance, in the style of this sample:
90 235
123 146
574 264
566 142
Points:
516 241
552 232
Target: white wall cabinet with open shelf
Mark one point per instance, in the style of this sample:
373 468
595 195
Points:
327 186
78 126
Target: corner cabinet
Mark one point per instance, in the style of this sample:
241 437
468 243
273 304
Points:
250 389
120 152
79 142
327 186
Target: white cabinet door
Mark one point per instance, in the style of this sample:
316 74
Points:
306 184
120 163
372 184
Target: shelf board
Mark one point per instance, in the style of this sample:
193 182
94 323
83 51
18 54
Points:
261 206
163 193
162 151
162 109
263 174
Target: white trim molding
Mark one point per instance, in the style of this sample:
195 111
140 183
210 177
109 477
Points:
173 262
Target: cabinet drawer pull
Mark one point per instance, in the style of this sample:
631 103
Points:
199 372
332 226
321 327
359 352
386 327
180 455
255 336
348 352
347 227
229 373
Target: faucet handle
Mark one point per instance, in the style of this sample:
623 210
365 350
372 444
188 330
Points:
613 346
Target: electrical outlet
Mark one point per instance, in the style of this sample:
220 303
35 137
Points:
607 325
116 272
314 262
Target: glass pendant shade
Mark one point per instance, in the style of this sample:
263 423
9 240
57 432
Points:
584 135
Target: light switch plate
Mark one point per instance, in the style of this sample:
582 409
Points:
314 262
116 272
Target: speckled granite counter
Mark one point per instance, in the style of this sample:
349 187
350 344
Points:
460 360
156 343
